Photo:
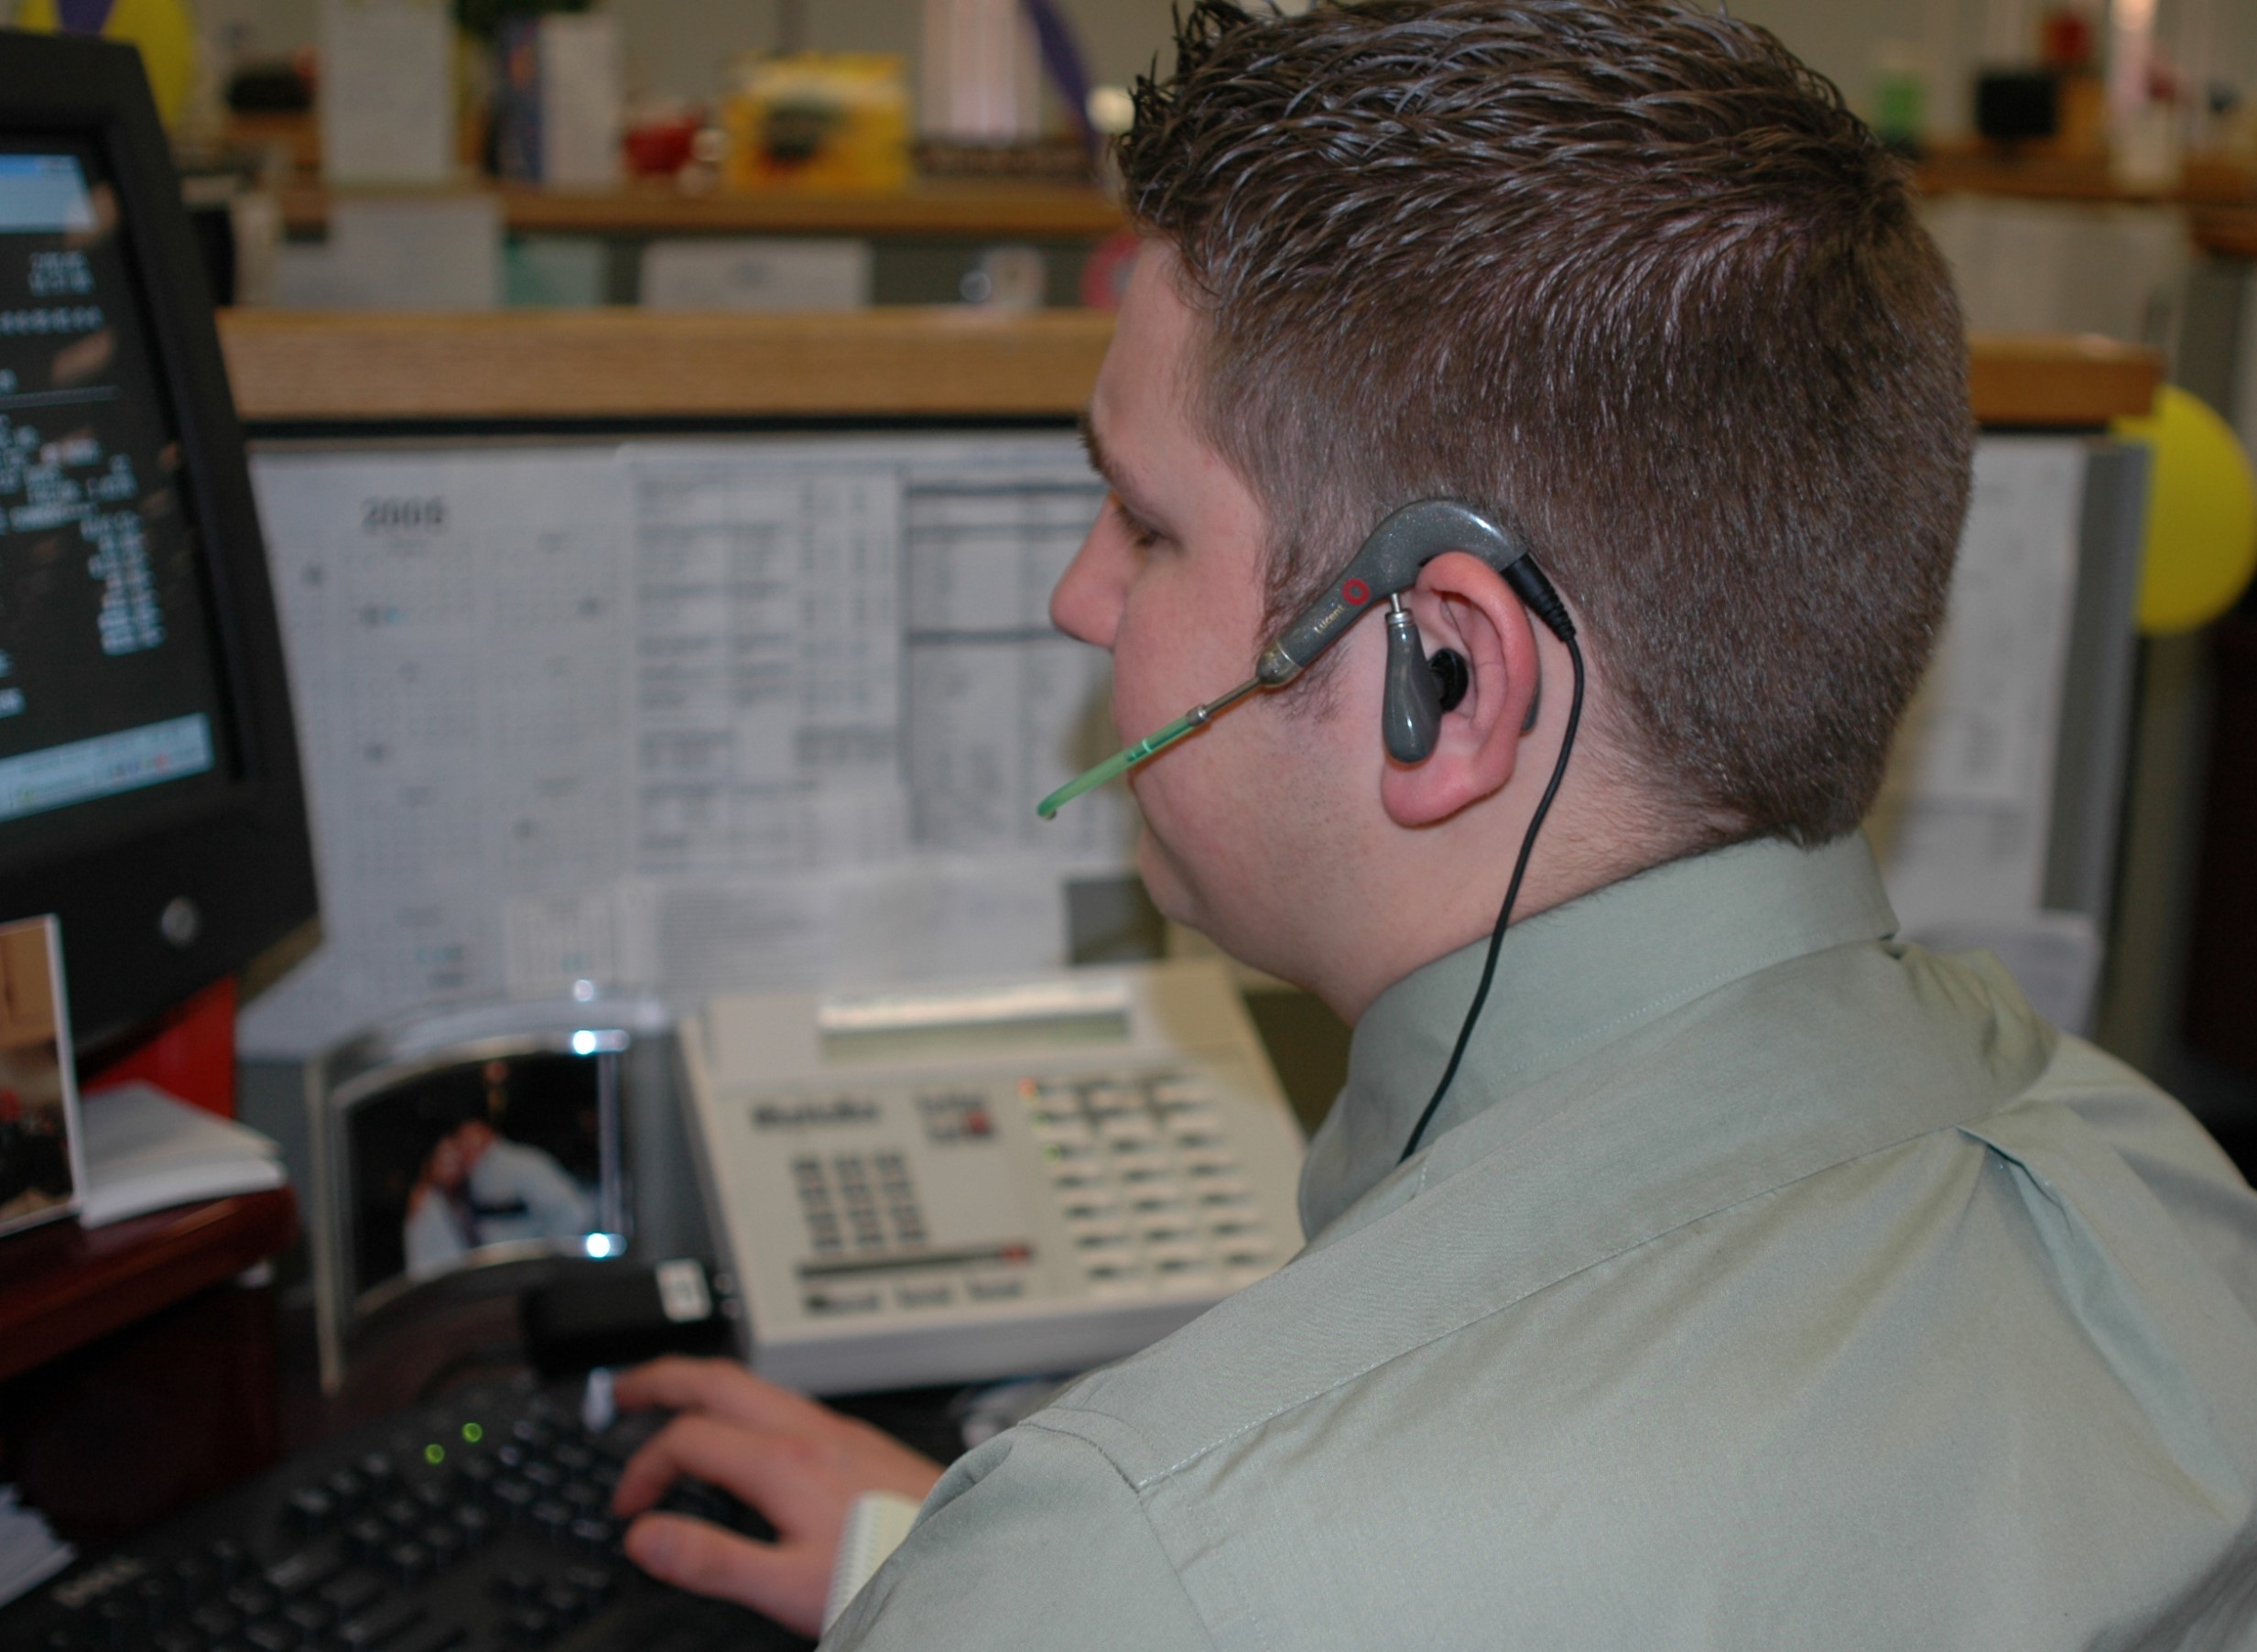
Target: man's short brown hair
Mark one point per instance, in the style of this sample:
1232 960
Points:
1634 279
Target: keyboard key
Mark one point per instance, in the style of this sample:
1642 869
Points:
303 1571
216 1622
273 1634
517 1586
529 1627
409 1564
117 1623
475 1525
428 1637
380 1624
573 1457
592 1582
253 1600
310 1615
350 1593
446 1545
228 1556
154 1597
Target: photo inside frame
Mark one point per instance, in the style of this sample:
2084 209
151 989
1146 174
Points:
40 1174
479 1162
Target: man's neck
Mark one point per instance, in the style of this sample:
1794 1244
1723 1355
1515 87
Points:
1451 902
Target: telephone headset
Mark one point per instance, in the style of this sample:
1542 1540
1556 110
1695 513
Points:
1418 688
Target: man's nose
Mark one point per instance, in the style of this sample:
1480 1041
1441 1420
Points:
1085 603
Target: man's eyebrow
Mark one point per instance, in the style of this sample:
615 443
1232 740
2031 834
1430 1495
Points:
1125 490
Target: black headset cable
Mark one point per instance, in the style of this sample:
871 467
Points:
1554 614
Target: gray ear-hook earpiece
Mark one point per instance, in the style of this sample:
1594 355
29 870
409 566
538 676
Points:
1387 563
1411 705
1420 687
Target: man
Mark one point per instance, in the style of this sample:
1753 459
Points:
478 1188
1759 1281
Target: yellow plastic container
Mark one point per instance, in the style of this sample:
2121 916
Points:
819 121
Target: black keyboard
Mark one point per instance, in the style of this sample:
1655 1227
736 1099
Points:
479 1524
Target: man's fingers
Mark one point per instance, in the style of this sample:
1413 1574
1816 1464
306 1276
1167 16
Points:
780 1476
721 1386
787 1583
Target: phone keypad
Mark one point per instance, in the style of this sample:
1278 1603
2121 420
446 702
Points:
1145 1177
858 1202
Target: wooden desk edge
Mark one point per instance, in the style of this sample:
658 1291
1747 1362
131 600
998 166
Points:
295 366
70 1284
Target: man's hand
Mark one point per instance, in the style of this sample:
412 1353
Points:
800 1463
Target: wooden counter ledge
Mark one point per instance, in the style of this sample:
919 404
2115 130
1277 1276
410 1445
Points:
593 366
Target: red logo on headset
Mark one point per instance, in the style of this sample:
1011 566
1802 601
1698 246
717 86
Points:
1355 594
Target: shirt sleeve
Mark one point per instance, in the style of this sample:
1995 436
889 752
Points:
1032 1540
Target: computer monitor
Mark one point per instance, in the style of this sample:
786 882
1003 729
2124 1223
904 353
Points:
149 785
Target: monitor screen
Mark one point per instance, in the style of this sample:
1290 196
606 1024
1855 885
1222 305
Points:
109 692
151 796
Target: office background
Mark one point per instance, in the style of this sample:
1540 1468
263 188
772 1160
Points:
681 47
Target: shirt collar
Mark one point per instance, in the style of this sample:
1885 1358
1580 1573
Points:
1574 978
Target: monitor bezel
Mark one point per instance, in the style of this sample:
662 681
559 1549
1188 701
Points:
241 854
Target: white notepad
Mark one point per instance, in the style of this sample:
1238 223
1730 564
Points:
146 1151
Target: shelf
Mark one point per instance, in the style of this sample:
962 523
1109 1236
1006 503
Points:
626 365
2065 382
2228 232
2203 181
594 365
991 207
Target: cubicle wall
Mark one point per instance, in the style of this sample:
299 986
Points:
586 697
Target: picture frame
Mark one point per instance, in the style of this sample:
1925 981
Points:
42 1141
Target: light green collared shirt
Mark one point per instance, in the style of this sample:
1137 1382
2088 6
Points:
1765 1283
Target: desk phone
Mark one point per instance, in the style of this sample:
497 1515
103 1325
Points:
952 1185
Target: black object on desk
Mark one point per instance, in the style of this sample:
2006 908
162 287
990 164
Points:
619 1314
478 1524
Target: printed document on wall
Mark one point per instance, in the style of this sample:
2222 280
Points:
1962 828
682 716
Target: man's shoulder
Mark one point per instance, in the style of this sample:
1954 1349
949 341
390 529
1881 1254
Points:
1483 1286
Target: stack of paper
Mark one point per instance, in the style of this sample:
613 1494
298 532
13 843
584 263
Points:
30 1553
144 1151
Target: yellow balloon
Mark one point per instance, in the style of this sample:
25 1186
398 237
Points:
2201 513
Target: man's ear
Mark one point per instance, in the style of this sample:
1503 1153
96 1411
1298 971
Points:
1462 602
